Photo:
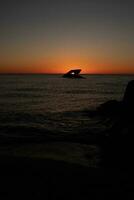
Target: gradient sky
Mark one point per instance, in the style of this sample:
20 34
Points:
52 36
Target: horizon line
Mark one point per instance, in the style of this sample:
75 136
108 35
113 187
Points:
22 73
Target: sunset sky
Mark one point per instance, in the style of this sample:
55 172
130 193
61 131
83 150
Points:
53 36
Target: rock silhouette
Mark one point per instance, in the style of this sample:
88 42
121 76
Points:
111 107
117 147
114 107
128 99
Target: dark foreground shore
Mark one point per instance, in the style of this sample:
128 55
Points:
89 166
28 177
25 172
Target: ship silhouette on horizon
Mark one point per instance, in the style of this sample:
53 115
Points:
74 73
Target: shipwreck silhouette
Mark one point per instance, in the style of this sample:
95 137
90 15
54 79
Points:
75 73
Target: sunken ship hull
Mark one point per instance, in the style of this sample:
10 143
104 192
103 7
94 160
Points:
73 74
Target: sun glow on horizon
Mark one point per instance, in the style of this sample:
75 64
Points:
61 69
56 36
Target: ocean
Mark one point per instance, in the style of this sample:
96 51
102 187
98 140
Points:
36 104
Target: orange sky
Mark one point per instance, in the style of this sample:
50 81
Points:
92 59
56 36
52 68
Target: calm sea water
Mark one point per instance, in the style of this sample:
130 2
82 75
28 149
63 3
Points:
53 103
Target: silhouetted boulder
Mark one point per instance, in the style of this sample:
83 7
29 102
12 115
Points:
128 99
124 108
117 147
110 107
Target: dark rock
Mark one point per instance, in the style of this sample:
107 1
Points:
111 107
124 108
128 99
117 147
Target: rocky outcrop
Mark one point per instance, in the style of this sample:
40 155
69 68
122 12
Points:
128 99
124 107
111 107
117 147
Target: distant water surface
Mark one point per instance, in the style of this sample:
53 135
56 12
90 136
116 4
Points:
55 103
